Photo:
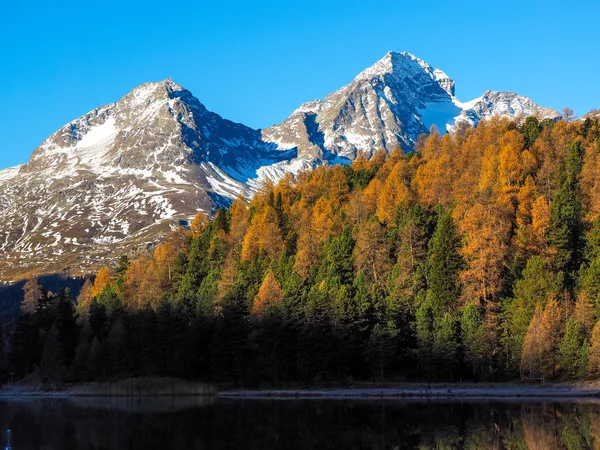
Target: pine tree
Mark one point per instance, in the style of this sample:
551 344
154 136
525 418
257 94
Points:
570 349
95 357
445 264
82 353
473 339
445 347
52 361
381 348
68 329
536 287
197 269
111 300
590 283
337 262
116 346
566 227
530 130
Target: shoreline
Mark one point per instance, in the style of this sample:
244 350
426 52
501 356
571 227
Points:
418 391
399 391
128 388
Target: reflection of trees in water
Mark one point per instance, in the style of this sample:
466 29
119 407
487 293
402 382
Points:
186 423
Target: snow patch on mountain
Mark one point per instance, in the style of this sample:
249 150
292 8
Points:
10 173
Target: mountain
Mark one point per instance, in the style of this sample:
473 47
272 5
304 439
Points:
121 176
388 106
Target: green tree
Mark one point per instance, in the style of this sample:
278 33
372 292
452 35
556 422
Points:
197 268
337 262
473 339
52 362
530 130
445 264
381 348
537 285
116 347
569 349
566 226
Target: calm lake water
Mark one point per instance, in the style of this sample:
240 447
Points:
177 423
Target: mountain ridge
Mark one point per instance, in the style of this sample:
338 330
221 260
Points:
121 176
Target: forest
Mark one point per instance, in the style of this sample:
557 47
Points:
475 257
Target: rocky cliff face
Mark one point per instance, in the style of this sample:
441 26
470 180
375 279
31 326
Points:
122 175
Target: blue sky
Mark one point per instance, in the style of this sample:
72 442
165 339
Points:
255 62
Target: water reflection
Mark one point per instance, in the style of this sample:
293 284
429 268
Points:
199 423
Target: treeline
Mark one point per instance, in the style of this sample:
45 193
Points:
475 257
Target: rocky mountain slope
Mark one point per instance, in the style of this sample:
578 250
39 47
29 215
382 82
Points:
122 175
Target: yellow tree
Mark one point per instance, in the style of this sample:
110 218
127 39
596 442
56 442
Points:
584 313
269 293
199 222
509 164
485 251
394 192
263 235
86 294
594 357
525 198
240 220
133 296
370 252
538 358
540 224
103 278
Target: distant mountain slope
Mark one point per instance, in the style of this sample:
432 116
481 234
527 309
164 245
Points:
122 175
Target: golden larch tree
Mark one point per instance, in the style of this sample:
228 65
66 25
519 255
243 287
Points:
269 293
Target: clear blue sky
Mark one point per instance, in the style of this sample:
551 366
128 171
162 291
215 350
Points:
256 61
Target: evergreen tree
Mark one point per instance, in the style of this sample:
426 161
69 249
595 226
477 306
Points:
95 359
445 348
111 301
445 264
68 329
570 349
337 263
116 346
381 348
566 226
530 130
537 285
198 267
97 318
80 362
473 339
52 361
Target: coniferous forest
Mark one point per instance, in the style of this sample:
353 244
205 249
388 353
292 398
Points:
475 257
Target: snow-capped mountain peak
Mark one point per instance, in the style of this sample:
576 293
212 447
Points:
406 66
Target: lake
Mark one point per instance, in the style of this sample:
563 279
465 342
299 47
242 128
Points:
200 423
